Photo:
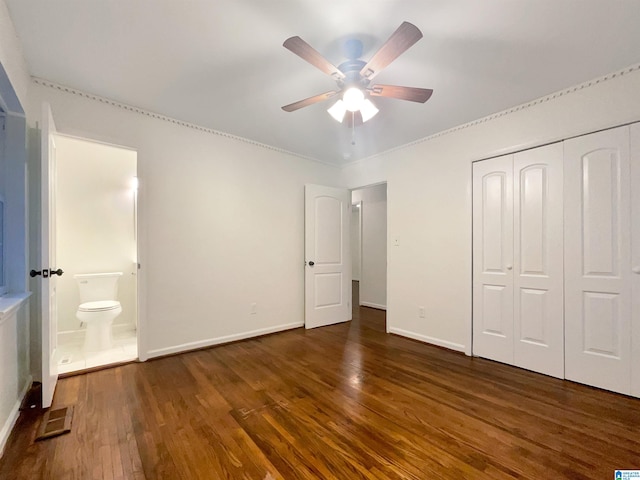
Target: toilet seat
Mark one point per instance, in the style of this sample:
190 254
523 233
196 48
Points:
99 306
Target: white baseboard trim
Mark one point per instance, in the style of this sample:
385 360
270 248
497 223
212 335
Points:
433 341
70 336
67 337
123 327
185 347
13 416
373 305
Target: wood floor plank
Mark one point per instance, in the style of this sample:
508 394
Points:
347 401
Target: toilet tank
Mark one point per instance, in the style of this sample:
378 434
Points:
98 286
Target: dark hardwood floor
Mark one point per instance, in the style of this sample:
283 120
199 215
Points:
341 402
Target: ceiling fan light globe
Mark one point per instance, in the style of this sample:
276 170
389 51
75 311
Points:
353 99
338 110
368 110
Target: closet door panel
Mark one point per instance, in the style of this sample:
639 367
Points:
635 259
493 258
538 260
597 260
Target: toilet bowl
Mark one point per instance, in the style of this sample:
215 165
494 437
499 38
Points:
98 317
98 308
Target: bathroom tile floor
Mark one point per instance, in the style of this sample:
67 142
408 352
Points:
72 358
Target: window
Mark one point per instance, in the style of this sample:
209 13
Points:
3 287
3 283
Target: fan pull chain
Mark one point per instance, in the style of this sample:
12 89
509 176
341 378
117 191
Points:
353 128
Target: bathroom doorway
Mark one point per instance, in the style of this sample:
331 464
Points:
96 233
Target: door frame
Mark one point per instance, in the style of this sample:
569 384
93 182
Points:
140 233
389 242
358 206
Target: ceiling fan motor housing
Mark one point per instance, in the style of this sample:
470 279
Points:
351 70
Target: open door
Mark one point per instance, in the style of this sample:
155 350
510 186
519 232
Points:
328 259
50 270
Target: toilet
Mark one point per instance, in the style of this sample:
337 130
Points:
98 307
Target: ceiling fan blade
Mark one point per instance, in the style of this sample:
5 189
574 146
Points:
412 94
311 55
309 101
404 37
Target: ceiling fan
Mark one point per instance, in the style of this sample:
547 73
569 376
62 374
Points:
354 76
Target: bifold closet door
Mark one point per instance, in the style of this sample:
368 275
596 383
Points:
493 259
517 260
538 260
635 259
598 260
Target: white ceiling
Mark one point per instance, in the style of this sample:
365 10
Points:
221 64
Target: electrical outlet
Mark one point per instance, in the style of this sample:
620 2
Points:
421 312
254 309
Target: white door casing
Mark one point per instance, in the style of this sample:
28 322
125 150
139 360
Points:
48 257
356 241
327 256
597 260
492 259
538 260
635 259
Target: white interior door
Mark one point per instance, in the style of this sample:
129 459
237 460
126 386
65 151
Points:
327 252
492 259
598 260
635 259
538 260
48 249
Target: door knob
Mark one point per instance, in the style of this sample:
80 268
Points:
636 270
509 267
46 272
311 263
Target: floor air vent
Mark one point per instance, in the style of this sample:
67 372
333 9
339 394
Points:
55 422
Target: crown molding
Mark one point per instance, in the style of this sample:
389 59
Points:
509 111
140 111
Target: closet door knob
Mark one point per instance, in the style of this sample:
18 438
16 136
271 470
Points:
509 267
636 270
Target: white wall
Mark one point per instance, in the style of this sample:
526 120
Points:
16 76
373 277
220 223
429 191
355 243
95 223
